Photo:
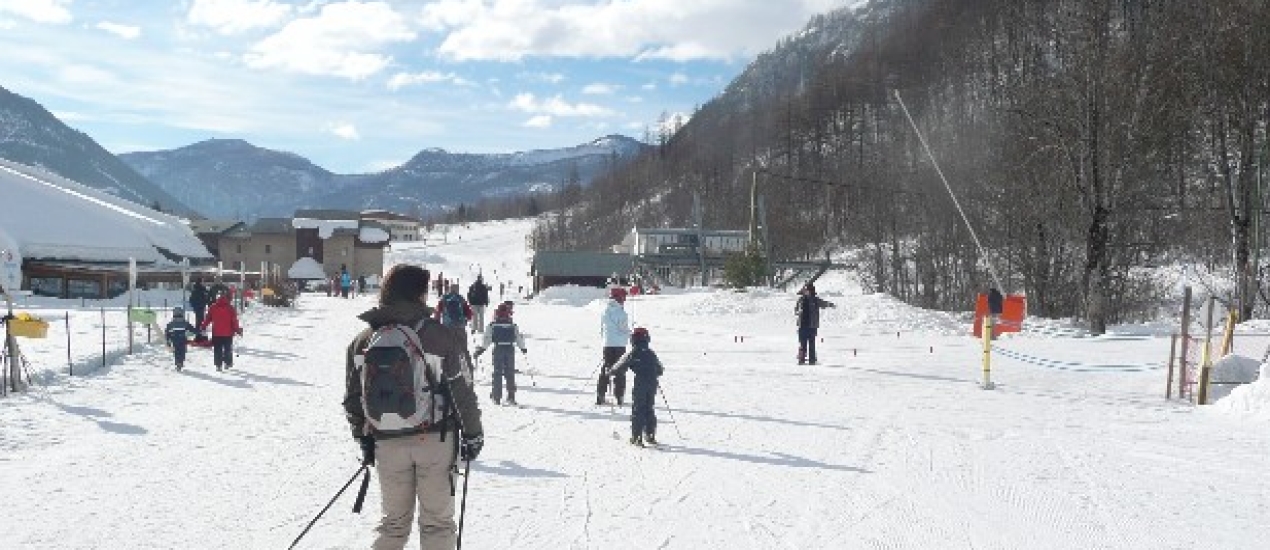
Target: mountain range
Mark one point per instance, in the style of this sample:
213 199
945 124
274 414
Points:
231 178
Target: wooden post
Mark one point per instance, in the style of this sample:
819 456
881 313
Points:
1206 369
1168 386
987 353
1228 336
1186 341
70 366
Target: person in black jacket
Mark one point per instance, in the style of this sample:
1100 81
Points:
807 310
198 300
478 298
648 369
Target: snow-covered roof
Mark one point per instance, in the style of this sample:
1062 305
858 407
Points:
45 216
306 268
373 235
325 228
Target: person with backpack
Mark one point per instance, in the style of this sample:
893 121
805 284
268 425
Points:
504 336
176 333
615 329
642 361
807 311
224 321
346 284
198 300
478 298
412 436
452 310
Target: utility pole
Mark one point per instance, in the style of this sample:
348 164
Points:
701 239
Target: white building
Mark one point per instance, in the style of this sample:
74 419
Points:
682 242
402 228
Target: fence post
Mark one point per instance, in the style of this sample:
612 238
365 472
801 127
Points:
1206 369
70 366
1186 341
103 337
987 352
1168 386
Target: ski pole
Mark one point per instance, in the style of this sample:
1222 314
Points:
327 507
674 422
529 369
467 468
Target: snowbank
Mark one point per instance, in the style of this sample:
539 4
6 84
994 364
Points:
571 295
1251 399
306 268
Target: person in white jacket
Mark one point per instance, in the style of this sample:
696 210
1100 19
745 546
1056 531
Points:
615 329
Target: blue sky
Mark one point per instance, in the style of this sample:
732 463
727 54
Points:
360 86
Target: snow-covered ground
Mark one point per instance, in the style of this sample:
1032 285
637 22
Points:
889 443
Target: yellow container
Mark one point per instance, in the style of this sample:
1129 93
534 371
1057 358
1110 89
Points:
28 328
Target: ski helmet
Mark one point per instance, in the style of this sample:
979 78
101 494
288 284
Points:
640 336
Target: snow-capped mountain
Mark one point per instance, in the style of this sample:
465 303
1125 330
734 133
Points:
32 136
234 179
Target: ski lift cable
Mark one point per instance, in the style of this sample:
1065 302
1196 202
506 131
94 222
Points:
960 210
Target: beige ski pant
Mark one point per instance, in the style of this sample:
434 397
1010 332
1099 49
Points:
416 468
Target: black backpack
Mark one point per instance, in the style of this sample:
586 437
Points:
452 313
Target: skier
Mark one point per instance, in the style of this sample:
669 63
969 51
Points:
647 368
503 334
452 309
224 321
416 466
176 334
478 298
198 300
807 311
615 329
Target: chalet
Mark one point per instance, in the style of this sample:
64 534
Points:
60 238
552 268
401 228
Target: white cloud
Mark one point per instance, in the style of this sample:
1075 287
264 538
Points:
40 11
550 78
235 16
678 79
341 40
510 30
123 31
538 121
401 80
600 88
343 130
556 106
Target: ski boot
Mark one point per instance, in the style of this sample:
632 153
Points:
636 441
649 439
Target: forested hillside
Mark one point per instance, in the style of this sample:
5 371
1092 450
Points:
1085 138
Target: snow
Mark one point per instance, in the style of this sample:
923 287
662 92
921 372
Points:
44 216
325 228
888 443
306 268
373 235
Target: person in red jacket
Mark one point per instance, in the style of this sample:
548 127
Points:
224 321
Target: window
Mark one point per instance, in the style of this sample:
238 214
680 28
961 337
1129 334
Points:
268 249
239 248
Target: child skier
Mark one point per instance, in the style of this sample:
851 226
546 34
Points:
502 333
647 368
177 333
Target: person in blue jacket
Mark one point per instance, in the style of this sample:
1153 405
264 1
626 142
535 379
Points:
177 334
642 361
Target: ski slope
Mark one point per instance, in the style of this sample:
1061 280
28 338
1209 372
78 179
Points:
888 443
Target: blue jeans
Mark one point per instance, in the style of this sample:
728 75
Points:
807 344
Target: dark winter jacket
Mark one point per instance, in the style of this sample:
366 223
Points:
643 362
222 317
177 330
807 310
440 312
436 340
198 295
478 293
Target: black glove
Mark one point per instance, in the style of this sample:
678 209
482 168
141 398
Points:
469 447
367 444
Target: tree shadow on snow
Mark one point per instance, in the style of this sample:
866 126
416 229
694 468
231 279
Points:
751 417
265 354
597 414
512 469
777 459
902 374
96 416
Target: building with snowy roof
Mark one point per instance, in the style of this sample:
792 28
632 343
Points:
60 238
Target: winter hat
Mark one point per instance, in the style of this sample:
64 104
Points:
178 312
809 288
503 310
618 293
640 337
